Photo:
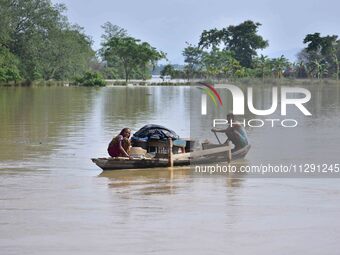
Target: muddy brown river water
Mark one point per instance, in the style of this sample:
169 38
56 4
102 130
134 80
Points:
54 200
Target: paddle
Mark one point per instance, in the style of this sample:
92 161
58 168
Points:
217 137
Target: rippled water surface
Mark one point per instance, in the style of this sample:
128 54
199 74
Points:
54 200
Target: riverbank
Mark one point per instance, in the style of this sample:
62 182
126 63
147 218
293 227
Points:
109 83
39 83
284 81
183 82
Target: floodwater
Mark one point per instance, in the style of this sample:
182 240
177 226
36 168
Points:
54 200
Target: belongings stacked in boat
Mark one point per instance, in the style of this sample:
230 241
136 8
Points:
138 152
157 146
154 139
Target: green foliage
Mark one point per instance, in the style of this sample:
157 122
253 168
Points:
8 74
215 63
112 31
242 40
168 70
231 53
326 45
279 65
213 38
179 74
130 56
110 73
46 45
193 58
8 66
321 55
226 53
90 79
220 64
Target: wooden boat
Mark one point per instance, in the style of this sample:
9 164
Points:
239 154
125 163
209 154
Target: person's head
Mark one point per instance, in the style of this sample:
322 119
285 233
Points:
125 132
230 117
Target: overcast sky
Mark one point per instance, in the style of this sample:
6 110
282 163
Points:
167 25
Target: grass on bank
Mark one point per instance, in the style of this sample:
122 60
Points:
93 80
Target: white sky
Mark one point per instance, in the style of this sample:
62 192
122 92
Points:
167 25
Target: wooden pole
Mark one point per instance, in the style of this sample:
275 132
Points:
228 153
170 158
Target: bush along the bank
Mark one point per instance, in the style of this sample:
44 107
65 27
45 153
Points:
8 67
8 75
32 34
90 79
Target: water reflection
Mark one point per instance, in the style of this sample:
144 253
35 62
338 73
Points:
129 183
138 106
34 120
148 181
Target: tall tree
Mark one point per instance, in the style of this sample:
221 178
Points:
45 43
214 38
168 70
193 59
325 46
132 54
147 58
243 40
111 31
8 66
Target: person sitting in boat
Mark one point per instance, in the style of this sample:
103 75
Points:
120 145
235 132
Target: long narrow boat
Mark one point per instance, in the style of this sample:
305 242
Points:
239 154
119 163
210 153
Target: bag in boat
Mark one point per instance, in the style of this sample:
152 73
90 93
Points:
154 132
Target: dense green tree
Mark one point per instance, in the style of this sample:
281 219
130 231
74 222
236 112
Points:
168 70
243 40
193 59
214 38
220 63
90 79
66 54
326 47
113 68
8 66
45 43
122 50
132 54
147 58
